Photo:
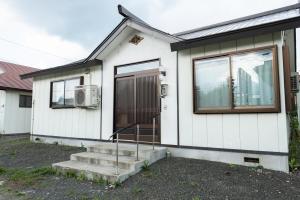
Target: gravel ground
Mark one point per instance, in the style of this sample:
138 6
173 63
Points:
173 178
18 152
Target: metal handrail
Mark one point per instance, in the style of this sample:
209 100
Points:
116 133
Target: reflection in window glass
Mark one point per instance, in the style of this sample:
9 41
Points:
58 93
253 79
69 91
138 67
211 83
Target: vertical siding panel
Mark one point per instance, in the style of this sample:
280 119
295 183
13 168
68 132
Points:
283 124
249 132
214 131
185 98
268 132
231 132
199 121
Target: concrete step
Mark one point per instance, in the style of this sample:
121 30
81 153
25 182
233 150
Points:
100 161
125 162
93 172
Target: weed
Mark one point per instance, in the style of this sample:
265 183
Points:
196 198
96 198
231 165
294 147
71 174
194 184
44 171
100 180
117 184
146 165
81 177
2 170
136 190
84 198
20 193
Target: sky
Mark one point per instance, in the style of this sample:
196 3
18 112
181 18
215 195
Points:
50 33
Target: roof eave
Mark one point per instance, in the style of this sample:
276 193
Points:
237 34
63 68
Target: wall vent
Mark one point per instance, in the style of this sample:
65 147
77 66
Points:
251 160
136 39
294 82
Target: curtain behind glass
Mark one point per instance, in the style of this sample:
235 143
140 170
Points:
253 79
211 82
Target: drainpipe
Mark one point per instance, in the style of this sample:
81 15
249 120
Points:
101 99
177 88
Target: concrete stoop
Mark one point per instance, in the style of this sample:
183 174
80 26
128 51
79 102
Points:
99 162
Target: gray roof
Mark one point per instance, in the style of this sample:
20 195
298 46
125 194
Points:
241 24
266 22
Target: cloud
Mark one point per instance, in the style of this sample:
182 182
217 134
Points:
23 43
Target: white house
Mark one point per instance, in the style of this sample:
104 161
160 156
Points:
15 99
220 92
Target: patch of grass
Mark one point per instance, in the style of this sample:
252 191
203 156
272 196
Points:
81 177
27 177
146 166
136 190
71 174
2 170
44 171
100 181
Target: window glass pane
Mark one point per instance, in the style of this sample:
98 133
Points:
58 93
211 82
253 79
69 91
138 67
22 101
28 101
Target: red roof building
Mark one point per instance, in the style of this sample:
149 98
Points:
10 76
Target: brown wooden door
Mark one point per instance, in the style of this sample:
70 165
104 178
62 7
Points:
137 99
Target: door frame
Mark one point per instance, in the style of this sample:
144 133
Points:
143 72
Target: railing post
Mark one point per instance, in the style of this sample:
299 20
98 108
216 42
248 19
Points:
117 155
153 131
137 141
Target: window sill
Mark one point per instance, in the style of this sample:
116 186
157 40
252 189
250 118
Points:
239 111
63 107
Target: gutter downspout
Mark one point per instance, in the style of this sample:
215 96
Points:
101 92
177 88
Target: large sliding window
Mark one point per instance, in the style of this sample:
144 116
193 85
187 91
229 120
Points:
62 92
237 82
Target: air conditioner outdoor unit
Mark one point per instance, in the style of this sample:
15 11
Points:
87 96
295 82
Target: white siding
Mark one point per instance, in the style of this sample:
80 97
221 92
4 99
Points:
149 48
16 119
74 122
2 110
260 132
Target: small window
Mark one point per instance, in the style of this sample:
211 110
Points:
62 92
25 101
237 83
135 67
